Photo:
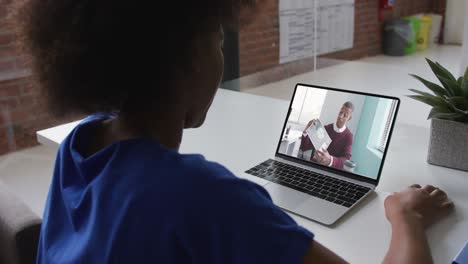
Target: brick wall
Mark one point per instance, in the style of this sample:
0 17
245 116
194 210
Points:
8 56
259 42
22 109
22 113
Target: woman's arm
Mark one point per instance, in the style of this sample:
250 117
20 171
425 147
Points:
409 243
319 254
409 212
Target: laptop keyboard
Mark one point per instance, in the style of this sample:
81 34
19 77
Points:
318 185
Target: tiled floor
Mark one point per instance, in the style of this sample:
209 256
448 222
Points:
28 172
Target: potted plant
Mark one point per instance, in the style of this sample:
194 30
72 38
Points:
448 144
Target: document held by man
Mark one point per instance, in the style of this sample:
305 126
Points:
318 136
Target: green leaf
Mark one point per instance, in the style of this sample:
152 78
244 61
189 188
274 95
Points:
435 88
440 70
462 112
421 93
460 85
433 101
447 72
459 102
451 86
437 110
440 115
464 85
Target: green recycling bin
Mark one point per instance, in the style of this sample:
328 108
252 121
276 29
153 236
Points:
412 44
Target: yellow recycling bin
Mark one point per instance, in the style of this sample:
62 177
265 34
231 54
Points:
424 34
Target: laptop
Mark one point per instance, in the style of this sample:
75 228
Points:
330 153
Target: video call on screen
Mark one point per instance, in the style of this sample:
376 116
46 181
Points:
341 130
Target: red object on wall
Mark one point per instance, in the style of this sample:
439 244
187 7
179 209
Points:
22 112
259 41
385 5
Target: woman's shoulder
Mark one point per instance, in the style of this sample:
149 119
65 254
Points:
195 185
180 167
204 177
186 173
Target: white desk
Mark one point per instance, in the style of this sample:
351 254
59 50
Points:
364 234
365 77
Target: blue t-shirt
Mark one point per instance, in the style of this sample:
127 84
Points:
136 201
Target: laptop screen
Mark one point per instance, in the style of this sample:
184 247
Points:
342 130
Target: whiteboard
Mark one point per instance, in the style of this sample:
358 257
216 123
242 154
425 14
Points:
299 39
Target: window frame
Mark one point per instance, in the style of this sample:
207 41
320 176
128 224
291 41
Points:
388 126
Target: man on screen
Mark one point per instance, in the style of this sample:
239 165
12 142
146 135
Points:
342 140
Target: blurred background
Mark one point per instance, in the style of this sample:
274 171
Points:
290 37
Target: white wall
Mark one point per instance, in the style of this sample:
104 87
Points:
333 103
464 60
454 20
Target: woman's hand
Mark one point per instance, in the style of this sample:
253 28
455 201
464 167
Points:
424 205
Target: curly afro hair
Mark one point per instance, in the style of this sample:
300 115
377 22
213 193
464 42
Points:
114 55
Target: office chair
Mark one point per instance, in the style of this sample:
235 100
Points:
19 230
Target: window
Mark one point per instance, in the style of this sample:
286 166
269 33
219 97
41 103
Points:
388 125
297 104
307 104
